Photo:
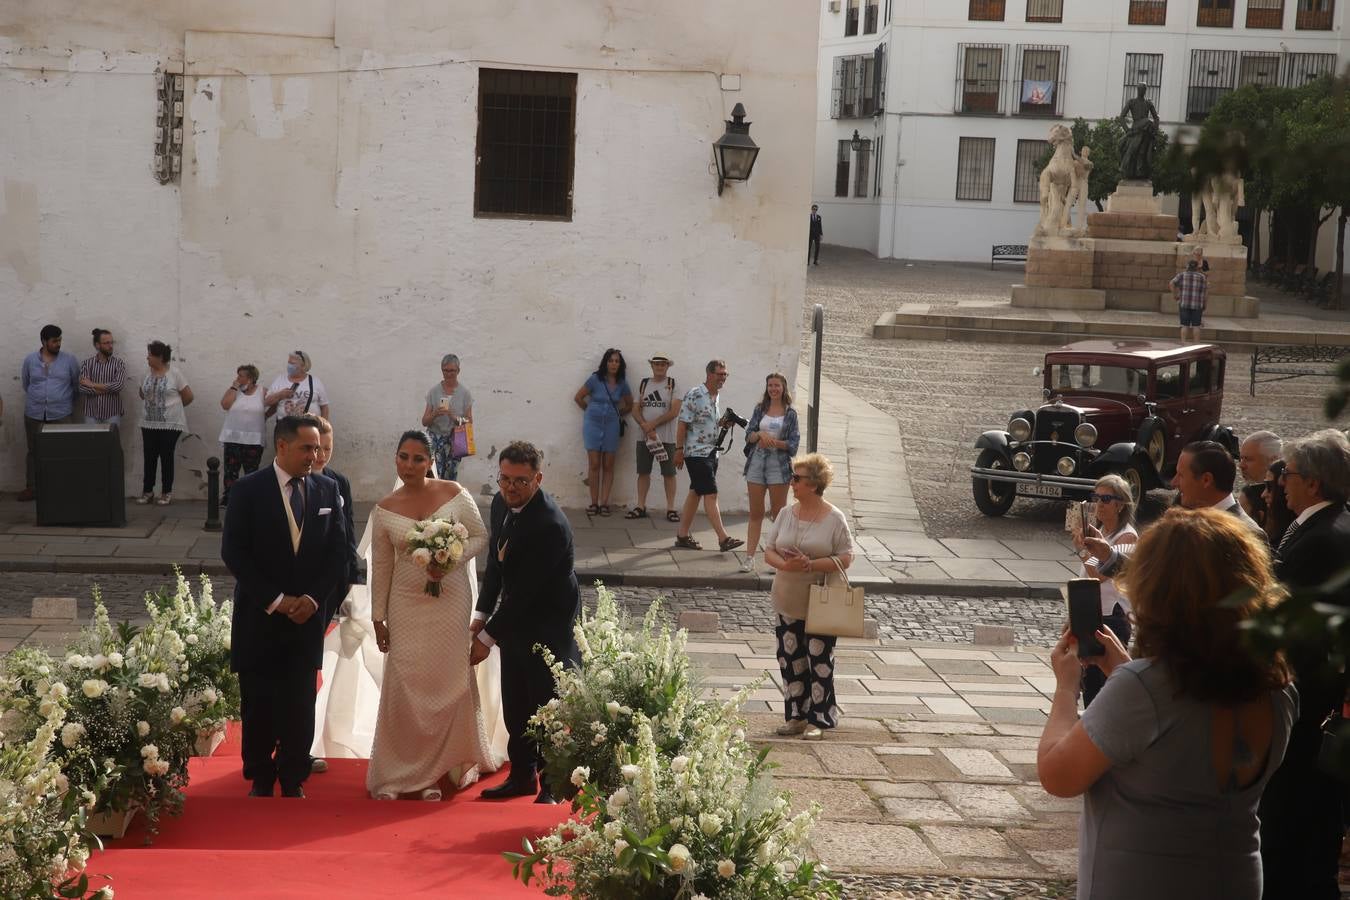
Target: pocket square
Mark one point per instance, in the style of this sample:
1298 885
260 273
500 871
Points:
325 510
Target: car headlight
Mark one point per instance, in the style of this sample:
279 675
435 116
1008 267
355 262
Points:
1019 429
1085 434
1065 465
1021 460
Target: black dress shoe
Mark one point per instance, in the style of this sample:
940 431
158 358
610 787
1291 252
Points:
546 796
510 788
296 792
261 790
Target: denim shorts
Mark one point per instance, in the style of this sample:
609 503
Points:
1190 316
765 467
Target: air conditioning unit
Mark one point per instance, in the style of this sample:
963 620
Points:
834 5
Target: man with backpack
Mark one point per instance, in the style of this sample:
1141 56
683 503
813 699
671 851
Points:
655 412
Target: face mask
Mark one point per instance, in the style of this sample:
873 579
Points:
292 369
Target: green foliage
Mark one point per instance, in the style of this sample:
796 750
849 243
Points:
1103 139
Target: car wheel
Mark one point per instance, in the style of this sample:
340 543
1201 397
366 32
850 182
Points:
1154 444
993 498
1136 478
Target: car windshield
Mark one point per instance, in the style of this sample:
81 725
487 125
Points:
1104 379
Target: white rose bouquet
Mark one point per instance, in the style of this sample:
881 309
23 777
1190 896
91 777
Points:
437 545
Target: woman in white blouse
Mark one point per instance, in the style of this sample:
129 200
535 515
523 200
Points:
808 540
242 432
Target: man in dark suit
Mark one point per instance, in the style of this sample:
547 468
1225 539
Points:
530 596
817 232
286 545
1301 822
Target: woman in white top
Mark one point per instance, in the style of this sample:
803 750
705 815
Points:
1115 520
771 440
242 432
297 391
164 394
808 540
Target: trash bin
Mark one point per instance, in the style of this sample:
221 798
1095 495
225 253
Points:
79 476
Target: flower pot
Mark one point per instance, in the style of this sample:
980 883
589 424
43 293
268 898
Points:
111 823
208 739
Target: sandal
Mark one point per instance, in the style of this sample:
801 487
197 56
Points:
604 509
672 516
688 543
593 509
637 512
729 543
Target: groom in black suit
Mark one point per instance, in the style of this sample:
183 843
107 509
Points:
529 570
285 542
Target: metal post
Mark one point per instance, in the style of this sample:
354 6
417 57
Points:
212 495
813 412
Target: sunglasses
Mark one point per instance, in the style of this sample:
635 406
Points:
1104 498
796 478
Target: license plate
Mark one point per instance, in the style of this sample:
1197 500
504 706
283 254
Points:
1031 489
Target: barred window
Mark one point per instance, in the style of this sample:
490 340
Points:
841 168
850 18
975 169
1215 14
1301 68
1146 68
1213 73
1026 180
870 15
860 179
979 78
1040 79
858 81
1045 10
1148 12
1261 68
1265 13
526 139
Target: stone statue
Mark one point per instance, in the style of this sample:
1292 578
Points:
1136 148
1078 192
1056 181
1217 200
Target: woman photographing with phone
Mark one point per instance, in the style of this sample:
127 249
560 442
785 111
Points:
1114 505
449 407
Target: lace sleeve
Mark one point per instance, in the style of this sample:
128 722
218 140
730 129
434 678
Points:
473 521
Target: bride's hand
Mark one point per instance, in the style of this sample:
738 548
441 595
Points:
382 637
436 573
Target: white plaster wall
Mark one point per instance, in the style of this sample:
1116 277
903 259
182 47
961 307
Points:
326 203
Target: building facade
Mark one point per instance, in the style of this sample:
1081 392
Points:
379 183
932 113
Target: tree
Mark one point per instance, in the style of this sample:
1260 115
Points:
1317 161
1104 139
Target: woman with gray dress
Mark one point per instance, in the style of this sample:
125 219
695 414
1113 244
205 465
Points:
1174 753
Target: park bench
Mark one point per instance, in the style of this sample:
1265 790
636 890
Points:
1296 361
1008 253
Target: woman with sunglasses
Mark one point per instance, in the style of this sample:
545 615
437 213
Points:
1115 519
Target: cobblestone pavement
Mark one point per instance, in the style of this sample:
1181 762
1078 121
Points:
899 616
944 394
912 887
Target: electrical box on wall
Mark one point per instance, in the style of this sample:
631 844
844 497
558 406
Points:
168 155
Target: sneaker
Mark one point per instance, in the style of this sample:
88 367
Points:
748 565
165 500
813 734
795 727
143 499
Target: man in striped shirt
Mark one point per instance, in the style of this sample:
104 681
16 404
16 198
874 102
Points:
101 379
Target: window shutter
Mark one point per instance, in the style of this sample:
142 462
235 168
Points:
879 78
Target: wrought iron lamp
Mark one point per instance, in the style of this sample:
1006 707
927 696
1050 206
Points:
734 152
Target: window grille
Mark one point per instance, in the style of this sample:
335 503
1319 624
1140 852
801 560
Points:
1039 82
1148 12
841 168
986 10
1026 180
1301 68
1260 68
1214 14
850 18
1265 13
975 169
858 85
1314 15
526 138
1145 67
861 179
1045 10
979 78
1212 75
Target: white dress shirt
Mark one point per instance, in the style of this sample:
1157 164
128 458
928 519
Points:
488 640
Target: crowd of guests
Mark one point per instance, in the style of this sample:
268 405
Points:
1201 760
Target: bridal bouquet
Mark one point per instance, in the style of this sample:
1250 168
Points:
437 545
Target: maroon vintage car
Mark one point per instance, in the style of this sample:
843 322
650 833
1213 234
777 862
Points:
1110 406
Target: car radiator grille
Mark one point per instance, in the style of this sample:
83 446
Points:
1060 425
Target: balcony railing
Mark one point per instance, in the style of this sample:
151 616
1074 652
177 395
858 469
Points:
1221 17
986 10
1148 12
1200 100
1314 19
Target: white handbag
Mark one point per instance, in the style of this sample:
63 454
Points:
835 609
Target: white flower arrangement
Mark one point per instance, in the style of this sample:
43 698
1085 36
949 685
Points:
437 545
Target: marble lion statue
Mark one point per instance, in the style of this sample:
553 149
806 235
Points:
1056 181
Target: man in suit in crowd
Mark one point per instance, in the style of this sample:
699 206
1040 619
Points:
530 596
285 543
1301 825
817 232
1258 452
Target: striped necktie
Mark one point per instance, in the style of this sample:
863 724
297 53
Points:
1284 539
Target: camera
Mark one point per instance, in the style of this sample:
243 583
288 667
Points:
728 421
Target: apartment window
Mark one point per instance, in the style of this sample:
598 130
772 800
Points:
1215 14
975 169
979 78
1145 67
1265 13
1148 12
1039 81
870 15
986 10
857 85
1045 10
1301 68
1026 180
1260 68
1212 75
1314 15
850 17
526 138
876 177
841 161
860 178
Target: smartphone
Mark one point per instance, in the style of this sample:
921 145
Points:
1085 615
1082 517
444 403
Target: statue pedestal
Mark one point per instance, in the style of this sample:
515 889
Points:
1134 197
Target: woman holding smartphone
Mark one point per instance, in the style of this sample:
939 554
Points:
1114 506
449 406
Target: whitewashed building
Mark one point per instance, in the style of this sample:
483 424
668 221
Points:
379 183
951 100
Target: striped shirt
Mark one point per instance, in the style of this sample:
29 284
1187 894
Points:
1194 288
111 372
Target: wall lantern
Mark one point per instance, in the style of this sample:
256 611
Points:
734 152
857 142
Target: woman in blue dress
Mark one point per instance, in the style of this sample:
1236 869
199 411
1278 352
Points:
604 399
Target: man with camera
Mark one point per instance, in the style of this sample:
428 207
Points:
696 442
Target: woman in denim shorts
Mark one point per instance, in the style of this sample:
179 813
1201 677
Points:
771 441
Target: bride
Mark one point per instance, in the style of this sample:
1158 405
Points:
430 722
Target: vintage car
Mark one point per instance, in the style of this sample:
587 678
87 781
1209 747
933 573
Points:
1109 406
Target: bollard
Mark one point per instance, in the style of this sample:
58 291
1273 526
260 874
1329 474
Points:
813 411
212 495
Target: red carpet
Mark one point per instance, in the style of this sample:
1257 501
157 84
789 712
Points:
336 843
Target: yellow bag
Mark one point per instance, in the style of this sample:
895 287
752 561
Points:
835 609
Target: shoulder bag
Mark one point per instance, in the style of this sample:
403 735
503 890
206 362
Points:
835 609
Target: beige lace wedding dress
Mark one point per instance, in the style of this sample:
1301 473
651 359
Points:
430 721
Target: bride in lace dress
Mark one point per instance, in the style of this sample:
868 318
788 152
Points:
430 723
